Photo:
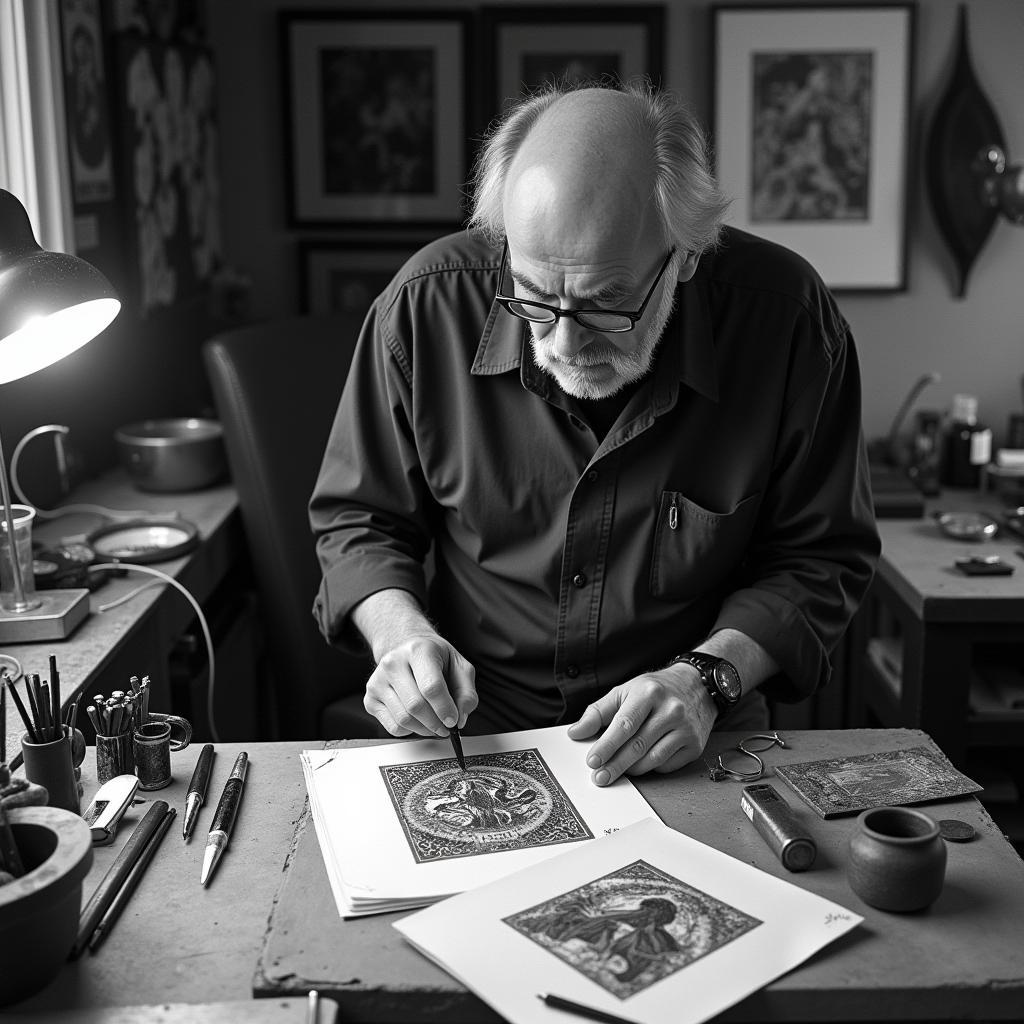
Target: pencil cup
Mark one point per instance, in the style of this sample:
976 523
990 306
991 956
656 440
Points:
50 765
180 728
153 755
114 756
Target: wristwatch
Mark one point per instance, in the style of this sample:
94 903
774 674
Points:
719 677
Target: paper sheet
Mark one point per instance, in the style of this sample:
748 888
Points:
401 825
647 924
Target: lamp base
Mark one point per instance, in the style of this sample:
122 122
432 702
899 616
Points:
57 617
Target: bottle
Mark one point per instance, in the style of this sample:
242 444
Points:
968 444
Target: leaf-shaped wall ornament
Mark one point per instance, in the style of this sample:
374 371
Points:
964 125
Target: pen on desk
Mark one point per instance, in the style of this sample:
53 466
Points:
115 877
224 817
456 738
590 1012
313 1007
124 894
196 796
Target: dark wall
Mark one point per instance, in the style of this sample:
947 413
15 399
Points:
147 363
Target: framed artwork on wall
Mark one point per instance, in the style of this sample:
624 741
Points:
376 121
526 47
166 144
86 101
345 277
811 121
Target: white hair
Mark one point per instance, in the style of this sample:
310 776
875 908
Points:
688 199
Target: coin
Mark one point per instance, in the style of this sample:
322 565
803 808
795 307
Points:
956 831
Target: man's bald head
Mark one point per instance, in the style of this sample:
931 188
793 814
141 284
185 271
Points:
591 148
586 166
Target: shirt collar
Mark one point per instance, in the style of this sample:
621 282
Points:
687 351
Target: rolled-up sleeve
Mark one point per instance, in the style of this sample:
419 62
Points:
368 508
816 544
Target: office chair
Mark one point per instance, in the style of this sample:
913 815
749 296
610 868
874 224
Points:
276 386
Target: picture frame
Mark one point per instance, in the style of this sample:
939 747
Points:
811 121
524 47
376 116
86 101
345 277
169 189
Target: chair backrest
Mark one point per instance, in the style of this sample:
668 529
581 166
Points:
276 386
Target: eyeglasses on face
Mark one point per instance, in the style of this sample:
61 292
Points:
742 762
608 321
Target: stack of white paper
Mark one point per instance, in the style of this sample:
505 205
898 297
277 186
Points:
646 925
401 825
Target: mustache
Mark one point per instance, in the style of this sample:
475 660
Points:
585 359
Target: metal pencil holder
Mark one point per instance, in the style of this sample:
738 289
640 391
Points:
114 756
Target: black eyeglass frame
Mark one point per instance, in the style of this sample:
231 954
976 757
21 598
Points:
718 771
633 317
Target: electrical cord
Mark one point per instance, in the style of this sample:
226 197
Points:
60 432
162 577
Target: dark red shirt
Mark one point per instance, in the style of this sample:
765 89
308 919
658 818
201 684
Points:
732 490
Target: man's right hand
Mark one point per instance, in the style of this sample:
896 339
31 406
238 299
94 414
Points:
423 687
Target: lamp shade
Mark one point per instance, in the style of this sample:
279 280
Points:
51 303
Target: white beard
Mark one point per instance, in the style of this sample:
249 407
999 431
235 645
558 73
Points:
574 375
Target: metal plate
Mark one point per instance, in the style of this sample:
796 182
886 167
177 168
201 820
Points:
144 540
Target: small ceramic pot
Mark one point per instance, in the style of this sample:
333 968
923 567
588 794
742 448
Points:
39 911
897 859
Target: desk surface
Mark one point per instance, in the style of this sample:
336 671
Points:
267 924
82 657
917 563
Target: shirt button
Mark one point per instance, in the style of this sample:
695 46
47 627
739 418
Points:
579 580
592 475
572 671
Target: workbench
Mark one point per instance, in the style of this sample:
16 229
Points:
267 925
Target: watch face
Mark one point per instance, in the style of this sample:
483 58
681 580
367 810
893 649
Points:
728 680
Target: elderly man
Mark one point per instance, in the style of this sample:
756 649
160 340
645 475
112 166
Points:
630 436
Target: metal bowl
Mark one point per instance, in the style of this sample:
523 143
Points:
183 454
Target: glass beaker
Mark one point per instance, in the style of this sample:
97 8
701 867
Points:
22 516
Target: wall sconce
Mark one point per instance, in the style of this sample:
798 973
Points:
969 181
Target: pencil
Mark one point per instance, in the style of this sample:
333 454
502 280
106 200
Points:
72 717
24 714
590 1012
43 696
113 912
115 877
30 692
55 696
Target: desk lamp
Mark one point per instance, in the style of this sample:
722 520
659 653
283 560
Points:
51 303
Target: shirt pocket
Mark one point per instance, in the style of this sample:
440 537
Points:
694 548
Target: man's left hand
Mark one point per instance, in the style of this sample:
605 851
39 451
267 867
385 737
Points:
657 722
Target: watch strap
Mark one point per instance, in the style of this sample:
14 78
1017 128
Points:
706 664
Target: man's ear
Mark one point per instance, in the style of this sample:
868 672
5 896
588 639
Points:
689 266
